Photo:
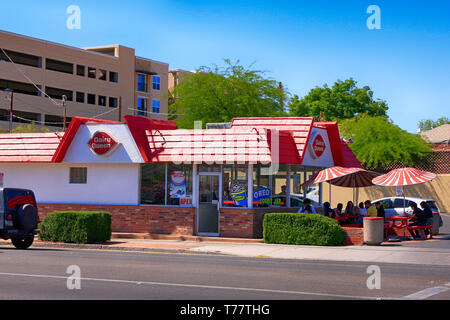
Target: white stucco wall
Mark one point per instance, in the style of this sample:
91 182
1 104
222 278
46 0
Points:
326 159
126 152
107 183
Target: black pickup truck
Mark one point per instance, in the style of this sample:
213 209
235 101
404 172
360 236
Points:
18 216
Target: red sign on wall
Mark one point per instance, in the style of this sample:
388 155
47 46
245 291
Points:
101 143
318 146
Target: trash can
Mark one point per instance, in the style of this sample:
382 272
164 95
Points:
373 230
436 222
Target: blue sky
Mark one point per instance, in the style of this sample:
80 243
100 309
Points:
304 44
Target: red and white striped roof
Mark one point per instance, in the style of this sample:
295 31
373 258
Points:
249 140
403 177
28 147
300 128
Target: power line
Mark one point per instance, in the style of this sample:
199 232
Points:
29 80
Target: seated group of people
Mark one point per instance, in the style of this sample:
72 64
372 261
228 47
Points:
421 217
351 214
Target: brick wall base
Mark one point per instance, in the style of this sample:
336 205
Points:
354 236
233 223
136 219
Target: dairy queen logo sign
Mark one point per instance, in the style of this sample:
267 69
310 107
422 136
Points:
317 146
102 143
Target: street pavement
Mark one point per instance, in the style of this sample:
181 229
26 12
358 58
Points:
166 269
42 273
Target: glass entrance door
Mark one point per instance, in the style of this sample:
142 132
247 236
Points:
209 192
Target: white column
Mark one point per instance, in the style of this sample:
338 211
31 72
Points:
167 186
288 187
250 186
194 186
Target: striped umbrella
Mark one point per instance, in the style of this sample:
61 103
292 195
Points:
403 177
344 177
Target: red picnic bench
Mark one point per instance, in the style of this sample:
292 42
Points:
422 230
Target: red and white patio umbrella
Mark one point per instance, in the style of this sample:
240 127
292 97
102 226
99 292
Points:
344 177
403 177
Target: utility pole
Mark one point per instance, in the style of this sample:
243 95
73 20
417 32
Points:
120 108
64 105
11 110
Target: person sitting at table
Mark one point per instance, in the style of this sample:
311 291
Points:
371 211
327 211
350 212
362 213
380 210
428 214
419 218
338 210
307 207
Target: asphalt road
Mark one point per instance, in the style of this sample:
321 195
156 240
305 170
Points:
39 273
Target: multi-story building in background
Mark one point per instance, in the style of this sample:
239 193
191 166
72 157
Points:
96 82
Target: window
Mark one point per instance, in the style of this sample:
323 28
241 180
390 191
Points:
156 83
299 191
113 102
102 74
60 66
78 175
235 186
113 76
19 87
80 70
142 82
153 183
80 97
155 106
57 93
91 98
179 182
91 72
398 203
142 107
102 101
21 58
159 180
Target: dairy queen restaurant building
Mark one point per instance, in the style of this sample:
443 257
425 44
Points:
158 179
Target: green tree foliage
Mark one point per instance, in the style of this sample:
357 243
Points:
29 128
426 125
343 100
378 142
219 94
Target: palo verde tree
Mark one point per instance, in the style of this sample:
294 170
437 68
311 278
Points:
343 100
378 142
219 94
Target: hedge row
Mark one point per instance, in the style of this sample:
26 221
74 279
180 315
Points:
76 227
302 229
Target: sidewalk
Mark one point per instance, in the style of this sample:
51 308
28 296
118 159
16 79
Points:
386 253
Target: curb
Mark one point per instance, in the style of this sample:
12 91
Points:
148 236
107 247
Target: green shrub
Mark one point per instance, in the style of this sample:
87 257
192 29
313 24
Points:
303 229
76 227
